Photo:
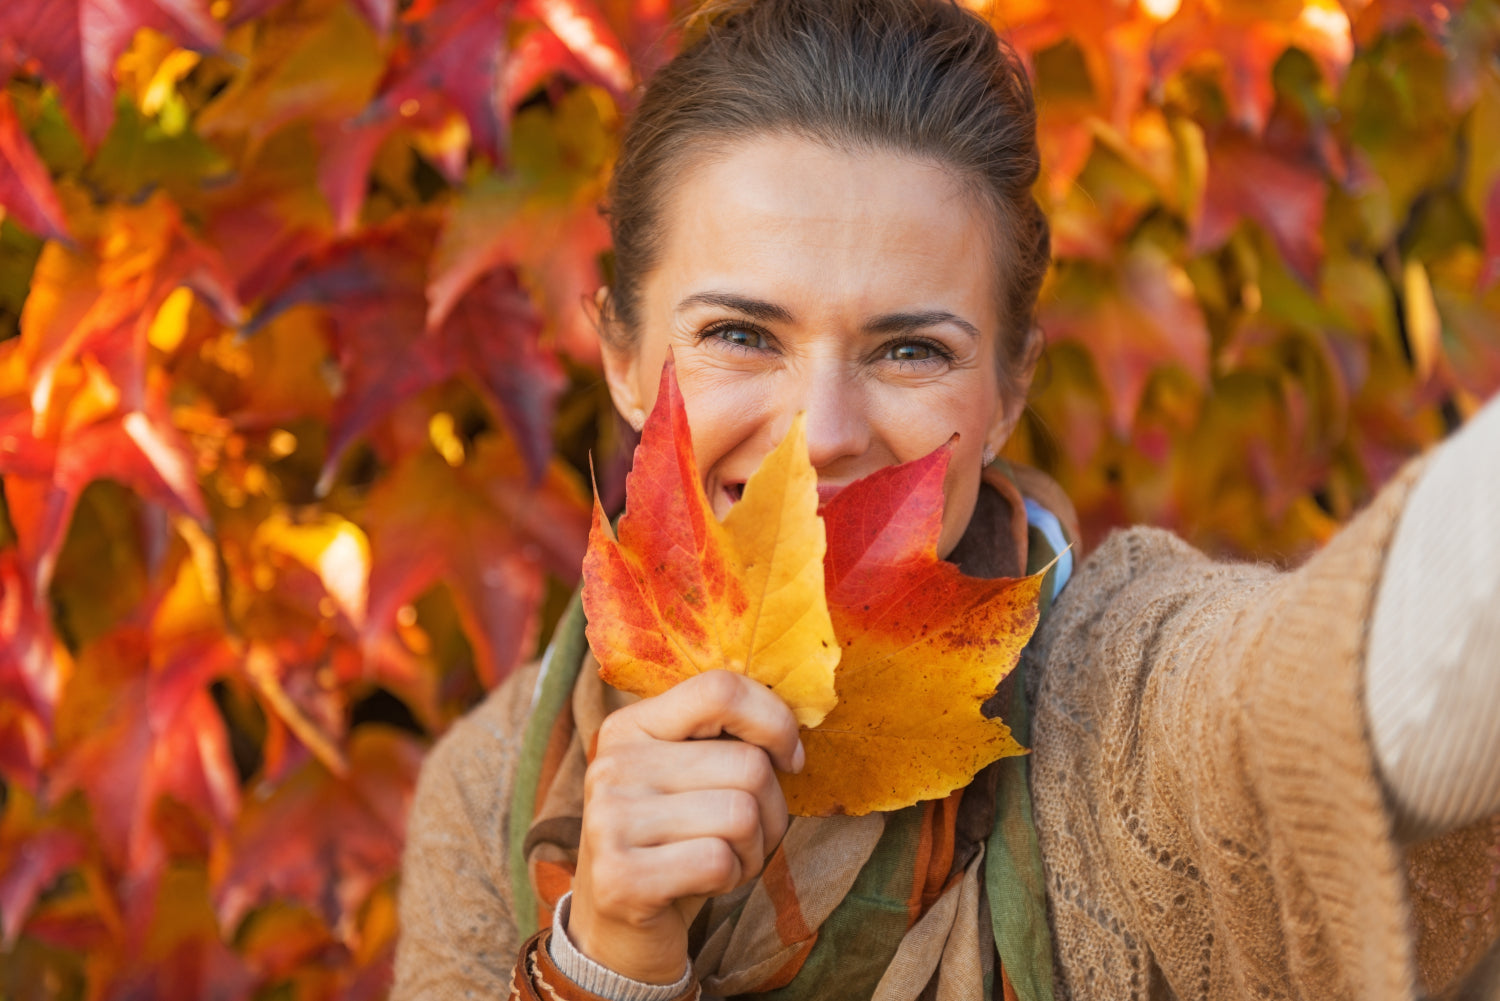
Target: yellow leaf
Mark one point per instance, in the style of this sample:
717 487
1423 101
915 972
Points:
678 593
331 547
1424 328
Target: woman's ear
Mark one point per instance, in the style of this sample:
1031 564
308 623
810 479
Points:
621 362
1017 388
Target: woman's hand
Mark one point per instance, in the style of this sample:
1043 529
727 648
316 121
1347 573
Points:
670 818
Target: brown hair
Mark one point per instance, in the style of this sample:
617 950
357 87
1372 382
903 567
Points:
924 77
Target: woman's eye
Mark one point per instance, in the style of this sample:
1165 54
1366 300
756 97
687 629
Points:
913 351
740 337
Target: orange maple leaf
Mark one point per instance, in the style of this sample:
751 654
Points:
924 646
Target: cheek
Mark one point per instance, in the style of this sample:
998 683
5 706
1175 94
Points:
724 410
960 494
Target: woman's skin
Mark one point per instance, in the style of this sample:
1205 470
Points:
861 288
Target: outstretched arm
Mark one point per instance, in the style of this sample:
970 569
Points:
1433 675
1214 813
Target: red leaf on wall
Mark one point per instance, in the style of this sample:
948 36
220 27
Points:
138 728
454 52
493 227
482 528
348 835
101 298
275 220
580 26
1244 41
31 858
30 678
25 187
372 288
534 59
1141 317
46 475
173 949
1285 198
75 44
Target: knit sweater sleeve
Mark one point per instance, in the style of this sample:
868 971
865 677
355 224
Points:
1207 801
459 936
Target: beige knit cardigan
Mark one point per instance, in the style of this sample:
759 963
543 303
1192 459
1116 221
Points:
1206 800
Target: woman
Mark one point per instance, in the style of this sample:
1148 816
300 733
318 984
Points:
825 206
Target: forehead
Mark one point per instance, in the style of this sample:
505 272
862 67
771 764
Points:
797 222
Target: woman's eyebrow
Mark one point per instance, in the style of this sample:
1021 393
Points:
900 323
757 309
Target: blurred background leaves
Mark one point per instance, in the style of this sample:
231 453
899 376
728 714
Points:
297 392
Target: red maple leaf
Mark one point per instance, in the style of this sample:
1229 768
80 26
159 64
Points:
30 678
319 839
1284 196
485 530
492 231
139 730
26 190
1139 318
373 290
47 468
75 44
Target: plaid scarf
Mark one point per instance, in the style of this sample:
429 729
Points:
886 906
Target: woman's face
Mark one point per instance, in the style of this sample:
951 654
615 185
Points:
858 287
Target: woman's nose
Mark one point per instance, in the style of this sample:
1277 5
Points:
837 425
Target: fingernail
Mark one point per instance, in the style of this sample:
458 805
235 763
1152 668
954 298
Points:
799 758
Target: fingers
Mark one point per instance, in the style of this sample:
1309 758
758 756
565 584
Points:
719 702
647 790
665 874
731 765
670 816
729 816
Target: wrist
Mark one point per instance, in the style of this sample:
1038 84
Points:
654 953
599 980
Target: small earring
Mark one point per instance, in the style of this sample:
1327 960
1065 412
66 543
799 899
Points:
637 418
988 456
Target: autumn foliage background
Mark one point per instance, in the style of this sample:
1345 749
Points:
296 388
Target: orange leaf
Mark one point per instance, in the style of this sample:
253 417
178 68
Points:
101 298
678 593
923 647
